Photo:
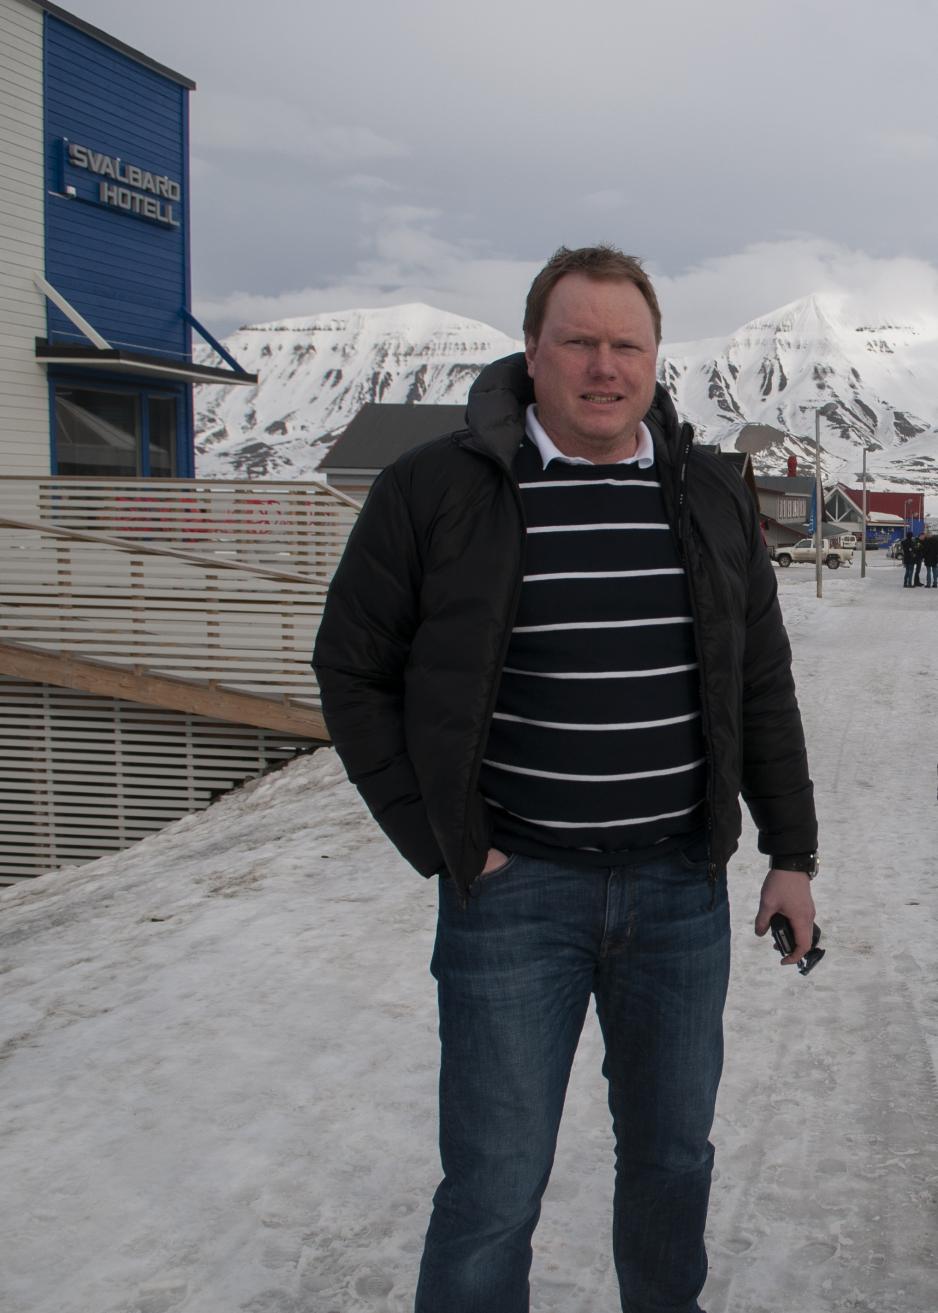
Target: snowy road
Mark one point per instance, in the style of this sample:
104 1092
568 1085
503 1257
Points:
828 1186
219 1060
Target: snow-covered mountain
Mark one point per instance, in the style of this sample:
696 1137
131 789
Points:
315 375
875 382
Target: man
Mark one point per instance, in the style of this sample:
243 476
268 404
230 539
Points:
919 560
908 549
551 659
930 558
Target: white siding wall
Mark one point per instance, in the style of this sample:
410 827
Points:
24 406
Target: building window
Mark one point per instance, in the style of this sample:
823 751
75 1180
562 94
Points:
842 508
115 434
792 508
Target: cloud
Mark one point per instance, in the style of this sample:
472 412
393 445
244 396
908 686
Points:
908 147
613 198
268 125
715 296
406 259
364 183
402 216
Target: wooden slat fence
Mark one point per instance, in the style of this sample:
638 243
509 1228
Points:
82 776
298 527
216 584
211 620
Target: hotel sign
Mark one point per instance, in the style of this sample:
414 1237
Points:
124 186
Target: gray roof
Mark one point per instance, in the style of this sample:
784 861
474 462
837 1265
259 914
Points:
797 484
798 531
382 431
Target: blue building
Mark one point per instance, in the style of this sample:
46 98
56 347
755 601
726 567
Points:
96 324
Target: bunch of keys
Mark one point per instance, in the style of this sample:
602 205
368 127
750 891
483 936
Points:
784 938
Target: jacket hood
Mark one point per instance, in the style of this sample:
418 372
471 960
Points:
503 391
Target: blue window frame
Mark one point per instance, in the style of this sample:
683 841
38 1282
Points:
109 430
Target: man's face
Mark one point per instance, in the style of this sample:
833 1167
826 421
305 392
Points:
593 366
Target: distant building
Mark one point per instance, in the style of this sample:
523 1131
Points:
889 514
95 313
784 506
378 434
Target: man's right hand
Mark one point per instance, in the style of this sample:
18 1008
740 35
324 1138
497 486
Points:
788 892
493 861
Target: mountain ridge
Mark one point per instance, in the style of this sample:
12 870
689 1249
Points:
318 371
874 384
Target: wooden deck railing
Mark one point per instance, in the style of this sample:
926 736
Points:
141 605
211 581
300 527
155 638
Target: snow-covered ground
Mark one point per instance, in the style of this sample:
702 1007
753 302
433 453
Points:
219 1056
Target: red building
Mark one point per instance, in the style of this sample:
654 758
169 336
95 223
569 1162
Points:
907 505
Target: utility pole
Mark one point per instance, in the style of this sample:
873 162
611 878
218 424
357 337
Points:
865 512
818 504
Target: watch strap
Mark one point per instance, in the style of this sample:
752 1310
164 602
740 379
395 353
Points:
806 862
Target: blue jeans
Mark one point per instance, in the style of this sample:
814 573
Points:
909 571
931 576
515 971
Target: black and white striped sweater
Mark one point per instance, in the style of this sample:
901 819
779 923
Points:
596 746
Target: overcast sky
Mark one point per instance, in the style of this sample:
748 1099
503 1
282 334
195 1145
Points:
363 153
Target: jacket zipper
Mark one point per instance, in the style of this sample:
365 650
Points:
687 438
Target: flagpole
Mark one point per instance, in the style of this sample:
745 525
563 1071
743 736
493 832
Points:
818 503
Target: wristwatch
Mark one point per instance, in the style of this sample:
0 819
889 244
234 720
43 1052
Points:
806 862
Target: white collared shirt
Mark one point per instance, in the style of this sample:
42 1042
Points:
644 456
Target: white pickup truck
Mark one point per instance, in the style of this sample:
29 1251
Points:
836 552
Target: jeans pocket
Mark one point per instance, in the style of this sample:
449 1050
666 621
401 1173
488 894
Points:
695 855
484 877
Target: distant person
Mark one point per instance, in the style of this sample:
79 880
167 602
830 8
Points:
551 659
919 560
930 558
908 550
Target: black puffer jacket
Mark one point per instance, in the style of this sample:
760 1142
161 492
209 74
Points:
909 549
420 612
